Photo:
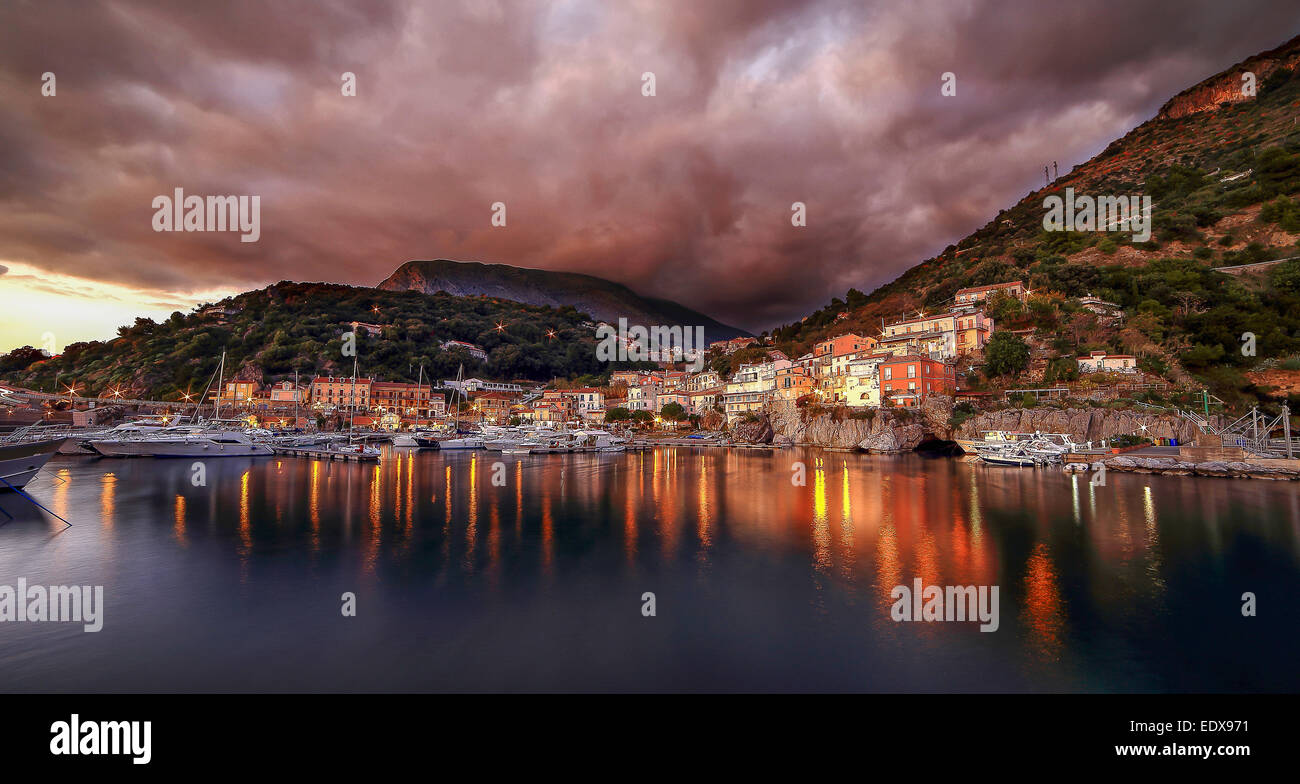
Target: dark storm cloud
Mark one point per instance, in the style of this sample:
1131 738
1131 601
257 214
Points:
685 195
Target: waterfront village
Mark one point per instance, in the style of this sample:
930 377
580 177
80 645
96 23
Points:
909 361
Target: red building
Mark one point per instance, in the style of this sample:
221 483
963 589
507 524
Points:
907 380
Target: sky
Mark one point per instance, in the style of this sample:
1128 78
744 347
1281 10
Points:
685 194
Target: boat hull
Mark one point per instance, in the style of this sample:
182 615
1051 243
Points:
21 462
198 448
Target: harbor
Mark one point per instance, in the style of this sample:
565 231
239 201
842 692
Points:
232 585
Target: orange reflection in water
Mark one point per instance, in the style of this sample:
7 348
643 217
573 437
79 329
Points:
821 533
375 518
313 505
179 514
61 484
1044 613
107 489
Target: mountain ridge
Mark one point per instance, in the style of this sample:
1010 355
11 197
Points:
602 299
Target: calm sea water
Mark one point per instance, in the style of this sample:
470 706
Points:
760 584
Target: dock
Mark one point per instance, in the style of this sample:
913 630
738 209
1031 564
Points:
324 454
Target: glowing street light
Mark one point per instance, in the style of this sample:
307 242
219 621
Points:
501 327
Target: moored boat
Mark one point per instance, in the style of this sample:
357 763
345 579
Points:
21 461
991 438
183 442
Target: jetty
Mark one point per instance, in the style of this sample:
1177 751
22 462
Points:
325 454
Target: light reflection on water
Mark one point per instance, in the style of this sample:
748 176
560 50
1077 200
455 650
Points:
465 583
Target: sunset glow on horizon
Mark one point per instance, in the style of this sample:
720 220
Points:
73 309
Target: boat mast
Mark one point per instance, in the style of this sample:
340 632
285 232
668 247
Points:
221 374
460 374
352 398
419 386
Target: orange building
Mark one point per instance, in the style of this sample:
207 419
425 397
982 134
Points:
408 400
331 392
907 380
494 407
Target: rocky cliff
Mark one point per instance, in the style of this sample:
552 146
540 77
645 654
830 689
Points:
876 430
1226 87
902 430
1083 424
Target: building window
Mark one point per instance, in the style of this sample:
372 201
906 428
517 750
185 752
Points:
911 371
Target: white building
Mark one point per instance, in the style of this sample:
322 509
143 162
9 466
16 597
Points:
479 385
474 351
1101 362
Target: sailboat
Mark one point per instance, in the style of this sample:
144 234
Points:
350 447
467 441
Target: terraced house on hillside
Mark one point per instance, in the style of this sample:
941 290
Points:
907 380
939 337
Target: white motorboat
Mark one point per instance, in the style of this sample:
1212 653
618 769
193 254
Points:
183 442
359 449
404 439
992 438
22 460
1008 458
1051 446
515 450
468 442
600 440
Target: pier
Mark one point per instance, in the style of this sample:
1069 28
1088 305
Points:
324 454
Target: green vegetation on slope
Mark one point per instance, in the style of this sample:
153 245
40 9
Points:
272 332
1224 185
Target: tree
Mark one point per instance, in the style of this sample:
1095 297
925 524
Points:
617 414
673 412
20 359
1005 354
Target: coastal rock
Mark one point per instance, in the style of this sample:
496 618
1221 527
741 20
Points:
1171 467
712 420
882 430
884 441
1082 424
757 432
